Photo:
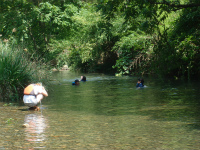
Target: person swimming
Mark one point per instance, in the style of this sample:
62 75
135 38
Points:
140 83
76 82
83 78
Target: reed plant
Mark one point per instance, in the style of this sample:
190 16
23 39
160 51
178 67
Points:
17 71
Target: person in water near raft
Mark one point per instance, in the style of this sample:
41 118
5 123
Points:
76 82
33 94
140 83
83 78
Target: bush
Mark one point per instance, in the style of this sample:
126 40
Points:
132 51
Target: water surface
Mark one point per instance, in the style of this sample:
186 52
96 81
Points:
107 112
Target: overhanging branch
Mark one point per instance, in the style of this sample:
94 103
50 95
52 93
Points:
164 2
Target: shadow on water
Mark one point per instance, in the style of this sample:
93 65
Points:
25 109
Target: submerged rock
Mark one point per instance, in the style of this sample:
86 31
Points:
25 125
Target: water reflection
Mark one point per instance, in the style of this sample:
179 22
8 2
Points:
36 125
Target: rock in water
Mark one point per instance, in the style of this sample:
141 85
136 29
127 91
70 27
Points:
25 125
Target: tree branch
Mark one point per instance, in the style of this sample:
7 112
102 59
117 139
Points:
176 5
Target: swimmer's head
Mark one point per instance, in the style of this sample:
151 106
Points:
83 78
76 82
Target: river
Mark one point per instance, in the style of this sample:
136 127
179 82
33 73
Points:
107 113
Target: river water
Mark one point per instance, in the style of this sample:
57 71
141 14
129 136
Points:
107 113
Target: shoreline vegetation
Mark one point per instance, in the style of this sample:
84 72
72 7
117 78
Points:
134 38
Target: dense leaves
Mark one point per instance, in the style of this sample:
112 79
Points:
126 37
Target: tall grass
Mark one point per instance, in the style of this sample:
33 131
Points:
16 72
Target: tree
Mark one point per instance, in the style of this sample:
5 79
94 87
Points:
36 25
151 17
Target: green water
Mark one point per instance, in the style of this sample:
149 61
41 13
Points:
105 113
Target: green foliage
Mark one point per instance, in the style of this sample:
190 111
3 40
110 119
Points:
131 51
58 53
164 58
79 57
54 20
36 25
171 52
130 37
177 50
87 48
